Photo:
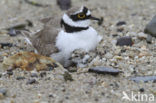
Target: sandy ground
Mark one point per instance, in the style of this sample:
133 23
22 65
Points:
138 60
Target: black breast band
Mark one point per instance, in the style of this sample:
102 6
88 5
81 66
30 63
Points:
71 29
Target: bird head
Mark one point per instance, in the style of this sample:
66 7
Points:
78 17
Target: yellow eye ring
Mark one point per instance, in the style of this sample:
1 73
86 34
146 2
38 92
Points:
81 16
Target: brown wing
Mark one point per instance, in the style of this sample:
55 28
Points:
44 40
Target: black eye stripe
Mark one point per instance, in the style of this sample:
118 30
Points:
75 17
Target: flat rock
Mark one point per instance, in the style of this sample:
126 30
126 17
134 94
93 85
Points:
151 27
28 61
3 92
105 70
124 41
120 23
31 81
64 4
143 78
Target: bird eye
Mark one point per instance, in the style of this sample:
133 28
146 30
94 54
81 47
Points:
81 16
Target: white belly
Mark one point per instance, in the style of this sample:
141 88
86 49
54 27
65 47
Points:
86 40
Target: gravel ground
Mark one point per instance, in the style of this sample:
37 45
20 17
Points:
51 87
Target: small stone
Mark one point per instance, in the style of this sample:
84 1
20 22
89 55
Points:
144 53
118 57
150 27
9 72
67 76
149 39
51 95
5 54
6 45
120 23
13 32
3 92
34 75
31 81
50 67
121 29
124 41
42 74
143 78
105 70
141 36
20 78
108 55
141 89
64 4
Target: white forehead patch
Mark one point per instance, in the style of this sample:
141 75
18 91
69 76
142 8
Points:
81 9
88 13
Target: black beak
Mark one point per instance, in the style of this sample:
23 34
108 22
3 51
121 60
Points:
94 18
99 20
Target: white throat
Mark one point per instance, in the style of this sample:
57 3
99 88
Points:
69 21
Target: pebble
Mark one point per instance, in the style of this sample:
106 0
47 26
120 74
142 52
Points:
42 74
120 23
20 78
141 89
143 78
141 36
149 39
150 27
3 92
105 70
13 32
6 45
9 72
64 4
121 29
67 76
124 41
31 81
34 75
51 95
108 55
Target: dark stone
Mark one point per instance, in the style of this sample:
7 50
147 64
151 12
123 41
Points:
141 89
13 32
124 41
149 39
20 78
31 81
42 74
120 29
64 4
9 72
67 76
143 78
34 75
104 70
50 67
151 27
120 23
6 45
3 91
114 35
50 95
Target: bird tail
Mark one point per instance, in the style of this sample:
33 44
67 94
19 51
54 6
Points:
27 37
